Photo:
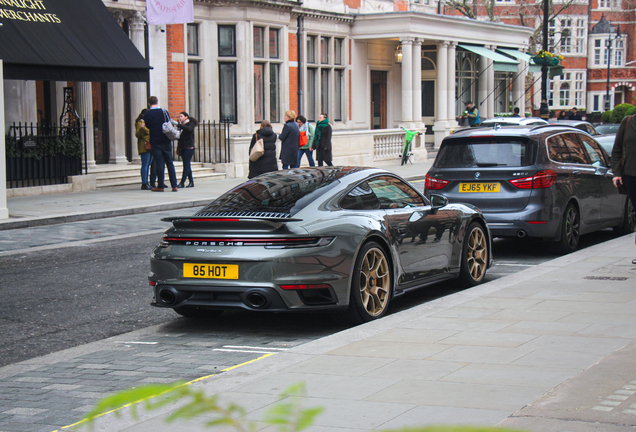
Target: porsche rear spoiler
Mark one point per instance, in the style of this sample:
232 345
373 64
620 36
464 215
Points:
229 222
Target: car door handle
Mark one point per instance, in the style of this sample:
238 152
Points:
576 172
402 230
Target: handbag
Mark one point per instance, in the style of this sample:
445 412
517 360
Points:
147 145
168 128
622 189
258 150
302 139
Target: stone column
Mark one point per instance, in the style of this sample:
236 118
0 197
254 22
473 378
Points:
407 81
452 80
138 99
116 126
417 83
441 126
84 108
482 92
518 99
491 87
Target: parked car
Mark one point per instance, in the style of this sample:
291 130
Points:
551 182
513 121
606 140
607 128
316 239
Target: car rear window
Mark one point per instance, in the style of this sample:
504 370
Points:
485 152
282 192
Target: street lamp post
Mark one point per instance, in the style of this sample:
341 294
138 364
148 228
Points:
544 111
609 62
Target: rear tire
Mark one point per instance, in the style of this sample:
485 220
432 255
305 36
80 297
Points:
475 256
371 284
198 312
569 231
629 219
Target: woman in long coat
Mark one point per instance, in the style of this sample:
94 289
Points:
267 162
187 125
289 141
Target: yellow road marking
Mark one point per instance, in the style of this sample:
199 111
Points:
184 384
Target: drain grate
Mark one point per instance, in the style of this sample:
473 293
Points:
608 278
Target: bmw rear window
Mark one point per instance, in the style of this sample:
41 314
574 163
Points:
485 152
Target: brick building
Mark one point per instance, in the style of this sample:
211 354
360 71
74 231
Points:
579 30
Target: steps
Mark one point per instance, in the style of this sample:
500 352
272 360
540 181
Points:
109 176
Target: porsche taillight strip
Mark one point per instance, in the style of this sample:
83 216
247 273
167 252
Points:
273 243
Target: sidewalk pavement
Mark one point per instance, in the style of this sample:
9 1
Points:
551 348
30 211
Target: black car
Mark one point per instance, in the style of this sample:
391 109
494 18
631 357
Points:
552 182
316 239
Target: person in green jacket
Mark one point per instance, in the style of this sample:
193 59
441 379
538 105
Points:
306 140
143 136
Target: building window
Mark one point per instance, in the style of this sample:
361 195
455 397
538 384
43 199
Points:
311 49
550 92
337 51
324 91
564 94
274 92
259 42
566 35
580 35
608 4
324 50
273 43
227 41
596 100
227 91
193 89
597 52
194 70
267 78
619 51
579 89
193 39
551 32
337 94
259 92
311 94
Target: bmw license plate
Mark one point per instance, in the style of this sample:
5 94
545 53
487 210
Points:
479 187
211 271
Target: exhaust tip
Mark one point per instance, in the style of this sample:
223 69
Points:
521 234
168 296
256 300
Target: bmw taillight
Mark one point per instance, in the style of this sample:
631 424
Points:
431 183
542 179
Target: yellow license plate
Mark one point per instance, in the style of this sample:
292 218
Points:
211 271
479 187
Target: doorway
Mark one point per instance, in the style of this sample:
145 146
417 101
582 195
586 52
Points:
378 99
100 122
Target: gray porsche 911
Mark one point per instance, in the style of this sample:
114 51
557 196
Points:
318 239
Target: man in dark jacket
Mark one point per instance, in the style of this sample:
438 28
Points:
322 142
575 115
289 141
624 158
161 146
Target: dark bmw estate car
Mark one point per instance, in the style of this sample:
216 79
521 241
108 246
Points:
327 238
552 182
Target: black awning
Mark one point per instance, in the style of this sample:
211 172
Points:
66 40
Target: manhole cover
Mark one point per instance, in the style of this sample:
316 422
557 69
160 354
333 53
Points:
608 278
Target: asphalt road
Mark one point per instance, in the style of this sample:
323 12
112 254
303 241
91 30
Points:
67 285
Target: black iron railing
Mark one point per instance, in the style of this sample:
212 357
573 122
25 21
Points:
212 142
40 155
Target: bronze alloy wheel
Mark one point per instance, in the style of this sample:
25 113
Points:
375 282
477 257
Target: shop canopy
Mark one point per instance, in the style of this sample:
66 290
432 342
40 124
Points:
502 63
66 40
521 56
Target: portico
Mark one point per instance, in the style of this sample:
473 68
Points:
444 62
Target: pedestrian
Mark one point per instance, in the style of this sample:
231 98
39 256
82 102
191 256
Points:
185 146
624 158
322 140
289 141
561 116
472 114
267 162
305 146
143 148
515 112
161 146
575 115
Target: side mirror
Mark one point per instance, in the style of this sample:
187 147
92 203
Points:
438 201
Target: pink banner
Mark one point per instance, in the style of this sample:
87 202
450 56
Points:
169 11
